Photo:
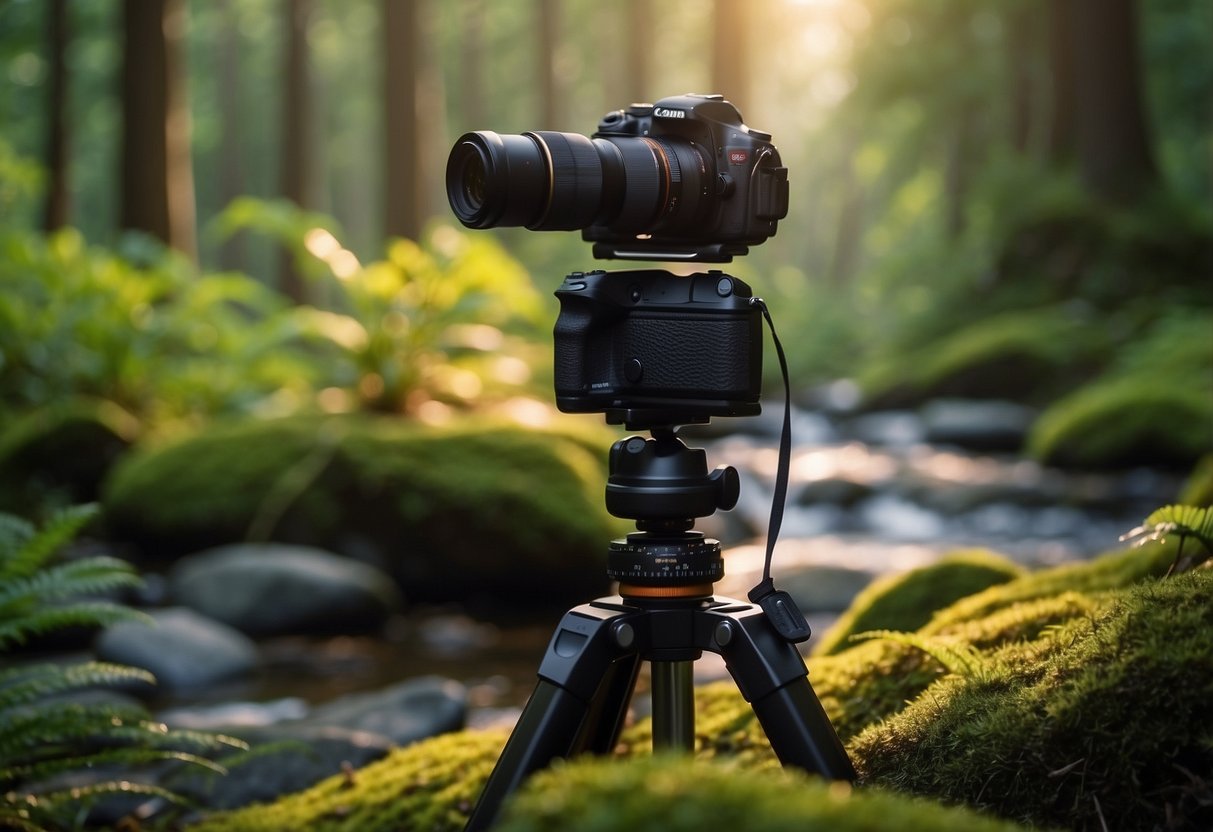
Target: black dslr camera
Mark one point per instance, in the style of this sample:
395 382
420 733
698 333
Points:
680 180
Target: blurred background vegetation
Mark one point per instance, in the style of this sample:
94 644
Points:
237 207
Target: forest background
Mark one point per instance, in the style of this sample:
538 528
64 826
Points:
988 198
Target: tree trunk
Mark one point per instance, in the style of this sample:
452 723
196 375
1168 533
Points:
1061 64
402 151
731 51
157 179
1114 149
471 65
58 206
638 48
231 139
295 141
1097 47
551 115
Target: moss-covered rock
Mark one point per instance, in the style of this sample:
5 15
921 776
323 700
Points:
907 601
1108 718
465 512
1131 420
59 454
1023 354
431 785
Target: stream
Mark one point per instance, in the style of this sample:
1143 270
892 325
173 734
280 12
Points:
869 495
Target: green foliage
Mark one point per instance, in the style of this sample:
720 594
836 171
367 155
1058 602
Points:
956 657
44 735
426 323
159 340
906 602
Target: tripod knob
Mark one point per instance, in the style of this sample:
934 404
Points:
728 486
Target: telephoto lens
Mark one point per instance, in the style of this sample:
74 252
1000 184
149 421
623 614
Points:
549 181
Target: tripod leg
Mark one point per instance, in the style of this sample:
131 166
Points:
772 677
585 683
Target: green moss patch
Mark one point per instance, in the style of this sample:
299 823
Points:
906 602
453 513
1107 719
431 785
674 794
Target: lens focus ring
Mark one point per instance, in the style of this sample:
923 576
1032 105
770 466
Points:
575 181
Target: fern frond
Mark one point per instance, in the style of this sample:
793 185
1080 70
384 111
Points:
34 552
957 657
42 769
14 533
29 730
90 614
21 686
89 576
46 811
1182 521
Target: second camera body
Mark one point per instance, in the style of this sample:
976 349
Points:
650 342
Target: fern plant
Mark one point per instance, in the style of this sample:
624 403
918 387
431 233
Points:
1184 522
45 739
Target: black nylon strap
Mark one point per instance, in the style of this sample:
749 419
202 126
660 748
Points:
778 605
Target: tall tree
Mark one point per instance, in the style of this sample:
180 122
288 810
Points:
57 209
551 116
232 130
401 145
638 47
157 179
296 179
731 51
471 65
1111 140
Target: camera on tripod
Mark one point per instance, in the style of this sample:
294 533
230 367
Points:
680 180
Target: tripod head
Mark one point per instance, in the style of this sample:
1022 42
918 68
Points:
663 485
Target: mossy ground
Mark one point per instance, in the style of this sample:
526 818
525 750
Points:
1089 701
906 602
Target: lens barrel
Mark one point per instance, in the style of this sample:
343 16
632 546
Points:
550 181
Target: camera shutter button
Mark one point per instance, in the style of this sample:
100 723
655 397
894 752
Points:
633 371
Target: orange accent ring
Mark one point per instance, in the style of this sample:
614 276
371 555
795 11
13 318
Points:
693 591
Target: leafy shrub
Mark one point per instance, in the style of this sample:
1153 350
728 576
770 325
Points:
44 737
157 340
428 322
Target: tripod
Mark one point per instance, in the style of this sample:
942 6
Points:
665 614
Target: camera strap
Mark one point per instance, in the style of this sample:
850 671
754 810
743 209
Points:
779 606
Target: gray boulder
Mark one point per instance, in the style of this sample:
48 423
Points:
271 588
182 649
978 425
403 713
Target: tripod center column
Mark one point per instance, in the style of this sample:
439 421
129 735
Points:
673 706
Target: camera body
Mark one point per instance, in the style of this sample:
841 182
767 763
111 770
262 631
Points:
680 180
734 188
649 347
